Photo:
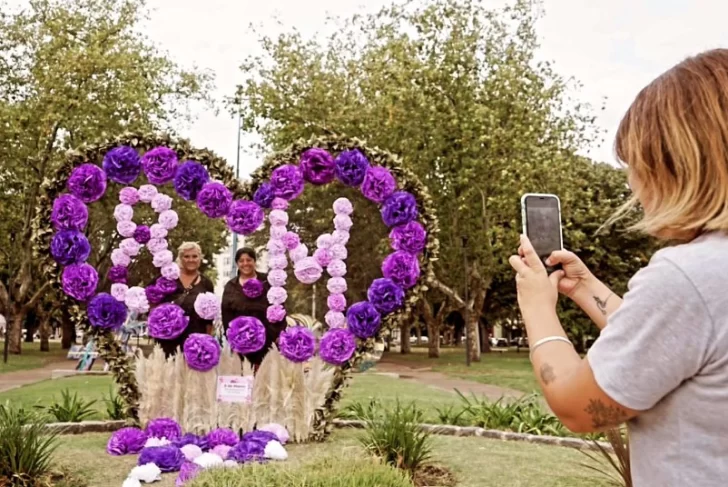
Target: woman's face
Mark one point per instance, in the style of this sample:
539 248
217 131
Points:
246 265
191 260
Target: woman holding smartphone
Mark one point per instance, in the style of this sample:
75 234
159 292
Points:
661 361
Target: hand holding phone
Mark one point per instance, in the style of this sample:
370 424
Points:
541 217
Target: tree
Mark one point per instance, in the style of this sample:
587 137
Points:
72 72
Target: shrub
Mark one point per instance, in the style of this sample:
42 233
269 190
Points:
323 472
27 447
115 406
452 415
361 411
71 409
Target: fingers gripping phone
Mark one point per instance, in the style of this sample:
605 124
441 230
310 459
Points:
541 216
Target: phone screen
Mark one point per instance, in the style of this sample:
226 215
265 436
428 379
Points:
543 224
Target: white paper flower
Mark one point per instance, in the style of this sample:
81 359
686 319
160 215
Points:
131 482
279 430
154 441
208 460
119 290
136 300
123 213
208 306
146 473
191 451
230 464
162 258
275 451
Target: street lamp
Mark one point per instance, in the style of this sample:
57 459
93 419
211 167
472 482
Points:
237 176
467 298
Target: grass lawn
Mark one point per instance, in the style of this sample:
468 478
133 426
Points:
477 462
32 357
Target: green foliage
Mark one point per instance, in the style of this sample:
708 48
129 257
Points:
115 406
27 447
396 436
615 464
451 414
334 471
362 411
71 409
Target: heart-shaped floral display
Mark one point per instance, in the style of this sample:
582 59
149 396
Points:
206 179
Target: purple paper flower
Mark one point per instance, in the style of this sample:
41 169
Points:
402 268
398 209
410 237
337 268
287 182
191 176
79 281
164 428
307 270
253 288
191 439
317 166
214 200
385 295
260 436
160 165
87 183
291 240
122 164
166 322
104 311
142 234
154 294
244 217
297 344
246 334
336 302
70 247
168 458
379 184
337 346
351 167
323 257
247 451
279 204
126 441
129 196
202 352
275 313
187 472
69 213
363 319
222 436
264 195
335 319
118 274
167 286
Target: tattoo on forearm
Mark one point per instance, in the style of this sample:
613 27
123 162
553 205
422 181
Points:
602 304
604 416
547 374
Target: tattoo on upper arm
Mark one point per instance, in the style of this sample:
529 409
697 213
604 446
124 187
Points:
547 374
602 304
603 415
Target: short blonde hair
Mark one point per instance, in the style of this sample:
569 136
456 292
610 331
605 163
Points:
674 138
185 247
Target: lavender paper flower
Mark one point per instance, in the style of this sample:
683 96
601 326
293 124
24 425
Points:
130 247
297 344
142 234
208 306
136 300
336 302
126 229
253 288
170 271
277 295
70 247
247 451
164 428
379 184
119 291
363 319
275 313
324 241
277 232
337 285
79 281
385 295
323 257
351 167
104 311
87 183
246 334
399 209
157 245
158 231
277 277
402 268
119 257
337 268
337 346
129 196
339 252
118 274
167 321
147 192
123 213
126 441
202 353
161 203
343 222
222 436
287 182
279 204
298 254
168 458
308 270
275 246
191 176
191 439
278 218
122 164
410 237
214 200
244 217
160 165
264 195
163 258
187 472
340 237
221 450
167 286
69 213
154 294
279 430
335 319
277 262
317 166
342 206
168 219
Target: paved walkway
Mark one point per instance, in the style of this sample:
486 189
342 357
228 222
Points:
12 380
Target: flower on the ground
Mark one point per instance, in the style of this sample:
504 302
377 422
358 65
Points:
317 166
146 473
168 458
154 441
385 295
337 346
126 441
202 353
274 451
79 281
363 319
410 237
221 450
187 472
247 451
191 439
105 311
222 436
190 451
244 217
87 183
279 430
297 344
69 213
70 247
379 184
402 268
287 182
191 176
167 321
160 165
246 334
208 460
122 164
164 428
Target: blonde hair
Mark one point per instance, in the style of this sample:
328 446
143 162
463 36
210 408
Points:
674 138
185 247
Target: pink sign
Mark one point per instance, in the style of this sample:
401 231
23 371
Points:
234 388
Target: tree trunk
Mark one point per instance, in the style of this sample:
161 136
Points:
45 333
404 332
471 330
68 331
16 331
418 334
433 340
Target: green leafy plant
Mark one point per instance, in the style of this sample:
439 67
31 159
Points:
451 415
115 406
71 409
26 447
398 438
614 465
362 411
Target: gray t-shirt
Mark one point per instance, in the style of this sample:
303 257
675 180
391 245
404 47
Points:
665 352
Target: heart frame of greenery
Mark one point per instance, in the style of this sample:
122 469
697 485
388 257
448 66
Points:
110 350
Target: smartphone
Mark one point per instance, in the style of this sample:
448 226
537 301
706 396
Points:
541 216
